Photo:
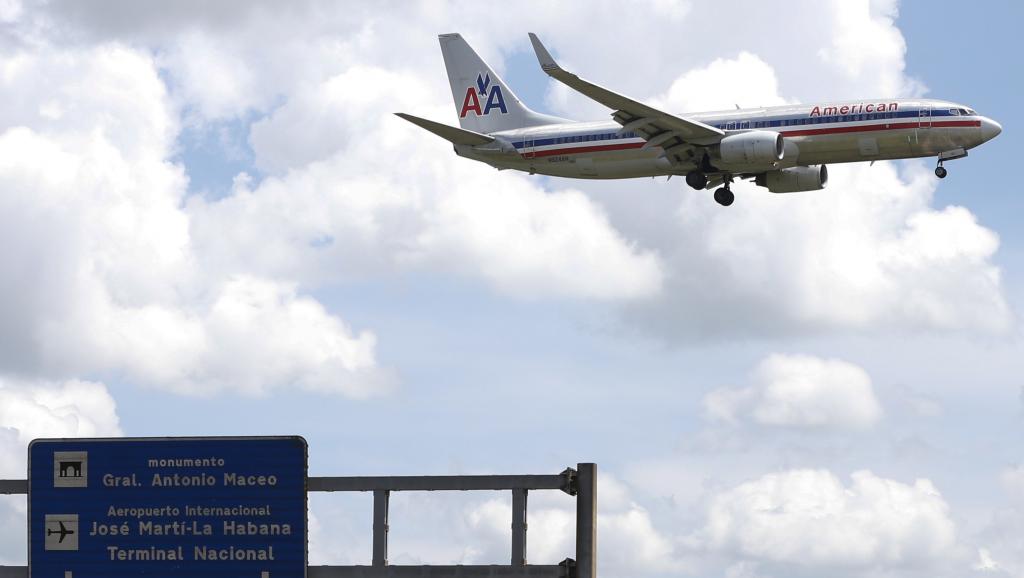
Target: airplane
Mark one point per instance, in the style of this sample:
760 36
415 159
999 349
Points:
64 532
782 148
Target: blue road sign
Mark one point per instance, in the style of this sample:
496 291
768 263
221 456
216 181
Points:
168 507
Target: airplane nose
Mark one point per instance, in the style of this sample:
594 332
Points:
990 129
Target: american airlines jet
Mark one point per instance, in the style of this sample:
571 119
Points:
782 148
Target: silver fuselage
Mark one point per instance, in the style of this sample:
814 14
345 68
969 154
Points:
842 132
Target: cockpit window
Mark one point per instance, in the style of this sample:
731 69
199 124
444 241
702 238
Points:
970 112
954 111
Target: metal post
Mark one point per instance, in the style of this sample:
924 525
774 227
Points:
519 526
586 521
380 527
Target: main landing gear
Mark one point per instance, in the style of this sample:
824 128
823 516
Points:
940 171
724 196
697 180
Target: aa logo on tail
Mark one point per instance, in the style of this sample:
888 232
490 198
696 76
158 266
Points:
491 94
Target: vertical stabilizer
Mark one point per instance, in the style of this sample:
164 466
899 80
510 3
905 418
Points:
483 102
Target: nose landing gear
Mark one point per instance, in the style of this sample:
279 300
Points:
940 171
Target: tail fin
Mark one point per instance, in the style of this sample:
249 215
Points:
483 101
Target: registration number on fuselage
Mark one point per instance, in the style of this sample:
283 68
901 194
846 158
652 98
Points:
559 159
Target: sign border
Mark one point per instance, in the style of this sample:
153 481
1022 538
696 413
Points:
299 438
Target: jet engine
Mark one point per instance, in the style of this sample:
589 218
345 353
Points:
756 147
794 180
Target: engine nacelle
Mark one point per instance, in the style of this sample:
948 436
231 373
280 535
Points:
794 180
757 147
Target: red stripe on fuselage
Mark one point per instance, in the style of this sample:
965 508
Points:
804 132
590 149
882 126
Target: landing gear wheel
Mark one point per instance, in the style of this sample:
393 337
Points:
724 197
697 180
940 172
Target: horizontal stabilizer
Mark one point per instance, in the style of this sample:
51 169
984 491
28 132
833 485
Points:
449 133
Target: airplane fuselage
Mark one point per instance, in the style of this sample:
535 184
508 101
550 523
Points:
814 134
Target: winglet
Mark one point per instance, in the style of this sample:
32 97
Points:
547 63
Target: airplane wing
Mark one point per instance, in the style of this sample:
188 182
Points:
658 128
449 133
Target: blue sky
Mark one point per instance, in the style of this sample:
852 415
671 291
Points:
819 383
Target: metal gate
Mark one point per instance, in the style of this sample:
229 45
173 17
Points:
580 482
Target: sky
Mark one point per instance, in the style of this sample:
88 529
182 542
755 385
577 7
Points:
212 224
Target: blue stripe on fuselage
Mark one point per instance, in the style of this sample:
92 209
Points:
742 124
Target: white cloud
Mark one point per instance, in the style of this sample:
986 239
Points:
285 339
351 214
35 409
809 518
746 80
108 278
1000 547
10 10
1012 480
867 47
31 409
985 562
800 391
866 254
